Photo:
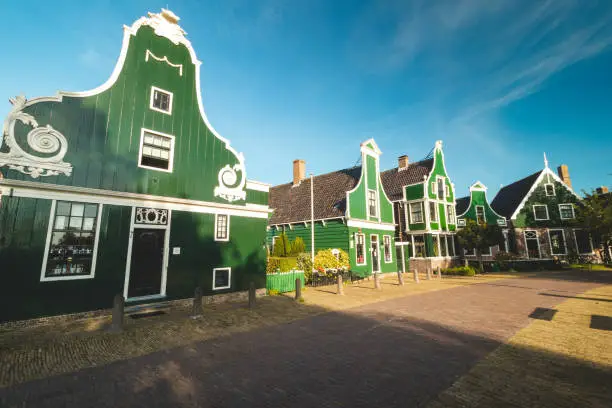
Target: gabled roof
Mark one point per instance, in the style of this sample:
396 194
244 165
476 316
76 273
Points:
461 205
509 198
395 179
292 203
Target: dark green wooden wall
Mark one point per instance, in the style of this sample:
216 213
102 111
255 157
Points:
333 235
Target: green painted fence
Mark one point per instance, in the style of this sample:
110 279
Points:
285 281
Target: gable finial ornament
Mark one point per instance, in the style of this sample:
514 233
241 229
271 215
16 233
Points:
229 187
165 24
41 139
545 161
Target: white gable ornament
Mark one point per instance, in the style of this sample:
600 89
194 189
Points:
45 140
229 188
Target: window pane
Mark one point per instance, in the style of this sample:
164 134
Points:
76 223
148 138
557 242
77 210
61 222
62 208
222 278
88 224
541 212
91 210
166 143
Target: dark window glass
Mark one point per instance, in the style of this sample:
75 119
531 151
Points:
71 249
540 212
583 241
222 278
387 246
419 246
480 214
566 211
360 246
161 100
550 189
222 226
557 242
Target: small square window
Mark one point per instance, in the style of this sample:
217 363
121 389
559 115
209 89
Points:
156 151
550 189
221 227
161 100
540 212
222 278
566 211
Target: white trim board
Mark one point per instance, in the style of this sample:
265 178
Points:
370 225
257 186
69 193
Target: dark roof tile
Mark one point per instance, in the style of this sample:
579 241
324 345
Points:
394 180
509 197
461 205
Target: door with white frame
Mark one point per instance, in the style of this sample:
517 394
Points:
532 244
146 265
375 250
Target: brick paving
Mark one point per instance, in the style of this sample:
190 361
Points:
401 352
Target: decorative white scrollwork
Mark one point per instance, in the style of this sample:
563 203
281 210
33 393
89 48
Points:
44 140
151 216
229 187
164 59
165 25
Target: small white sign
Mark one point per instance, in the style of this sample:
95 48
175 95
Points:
176 250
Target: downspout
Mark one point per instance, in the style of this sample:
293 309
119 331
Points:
312 223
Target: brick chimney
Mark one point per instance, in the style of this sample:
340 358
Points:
299 171
402 162
602 190
563 172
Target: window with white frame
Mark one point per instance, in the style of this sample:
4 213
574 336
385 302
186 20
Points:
461 222
450 243
557 242
550 189
487 251
161 100
222 278
360 249
71 244
156 151
419 246
416 213
501 222
540 212
443 246
435 240
372 203
441 188
387 248
221 227
450 213
566 211
583 241
433 211
433 188
481 218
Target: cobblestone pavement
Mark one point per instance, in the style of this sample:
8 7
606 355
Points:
401 352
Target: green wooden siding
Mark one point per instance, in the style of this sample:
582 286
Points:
563 195
104 130
23 231
333 235
414 192
366 270
479 198
357 201
257 197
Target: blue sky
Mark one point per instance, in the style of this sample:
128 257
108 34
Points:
500 82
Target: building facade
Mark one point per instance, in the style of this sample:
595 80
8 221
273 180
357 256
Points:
540 210
476 207
423 198
349 208
125 189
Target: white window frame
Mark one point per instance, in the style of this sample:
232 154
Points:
436 212
227 231
484 213
576 242
414 246
229 278
446 190
573 211
564 241
375 203
546 190
412 221
461 222
434 189
501 222
43 270
438 180
170 94
385 237
450 214
535 217
537 239
170 162
365 256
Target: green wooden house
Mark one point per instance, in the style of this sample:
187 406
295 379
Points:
348 209
540 210
125 189
476 207
423 197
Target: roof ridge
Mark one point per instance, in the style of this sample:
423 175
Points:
519 180
318 175
409 165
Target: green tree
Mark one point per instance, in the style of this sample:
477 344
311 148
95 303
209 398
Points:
297 246
281 245
479 237
594 214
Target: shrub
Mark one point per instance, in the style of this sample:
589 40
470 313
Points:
281 246
273 292
304 263
276 264
325 261
460 271
297 246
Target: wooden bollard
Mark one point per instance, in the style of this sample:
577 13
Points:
439 273
252 294
376 281
416 275
340 287
429 273
118 313
298 289
196 309
400 278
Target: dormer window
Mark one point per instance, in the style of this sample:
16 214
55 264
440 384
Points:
161 100
372 203
550 189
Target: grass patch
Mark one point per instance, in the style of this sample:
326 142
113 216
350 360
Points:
592 267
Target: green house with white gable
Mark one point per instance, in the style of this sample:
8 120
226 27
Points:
476 207
348 209
423 197
125 189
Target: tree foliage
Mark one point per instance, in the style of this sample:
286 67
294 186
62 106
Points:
297 246
282 247
326 260
479 237
594 214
